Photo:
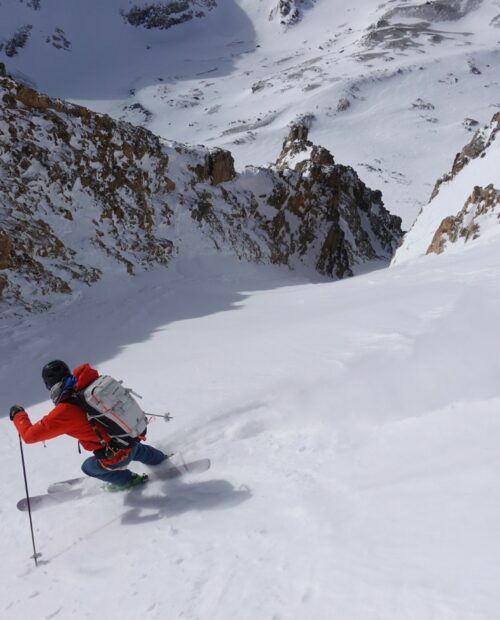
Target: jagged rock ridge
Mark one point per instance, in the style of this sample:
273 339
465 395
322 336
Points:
480 142
482 205
328 196
82 194
465 203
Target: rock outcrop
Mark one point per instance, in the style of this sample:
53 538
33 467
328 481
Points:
413 25
465 203
17 41
326 202
218 167
480 142
290 12
481 208
82 194
164 15
435 10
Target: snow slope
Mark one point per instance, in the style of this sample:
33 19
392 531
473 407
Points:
353 430
352 426
389 90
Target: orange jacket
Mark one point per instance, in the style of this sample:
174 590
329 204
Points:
64 419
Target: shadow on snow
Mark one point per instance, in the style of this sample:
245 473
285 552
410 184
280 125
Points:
122 57
179 498
99 323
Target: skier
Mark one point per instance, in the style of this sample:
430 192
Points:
67 418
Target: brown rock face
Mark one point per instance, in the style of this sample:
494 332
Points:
482 202
31 99
218 167
326 206
447 230
5 250
3 285
62 163
81 193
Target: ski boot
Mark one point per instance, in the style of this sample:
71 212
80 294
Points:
135 481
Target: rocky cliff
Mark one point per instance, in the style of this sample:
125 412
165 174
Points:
82 194
325 210
482 206
465 203
477 147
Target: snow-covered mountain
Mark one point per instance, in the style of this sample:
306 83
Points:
393 87
82 194
353 424
465 203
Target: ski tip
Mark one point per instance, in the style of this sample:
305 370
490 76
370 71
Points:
198 466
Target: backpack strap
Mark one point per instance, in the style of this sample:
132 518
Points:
107 448
98 433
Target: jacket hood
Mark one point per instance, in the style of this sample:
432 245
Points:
85 375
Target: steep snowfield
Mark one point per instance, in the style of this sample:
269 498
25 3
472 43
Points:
353 430
353 426
393 99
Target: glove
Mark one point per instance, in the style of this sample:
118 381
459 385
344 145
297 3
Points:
15 409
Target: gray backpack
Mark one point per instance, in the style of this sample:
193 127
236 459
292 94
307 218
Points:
106 401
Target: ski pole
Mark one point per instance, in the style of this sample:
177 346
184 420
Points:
166 416
35 554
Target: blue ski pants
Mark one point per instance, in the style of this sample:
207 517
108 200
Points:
140 452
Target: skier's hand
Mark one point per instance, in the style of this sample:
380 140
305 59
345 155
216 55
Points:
15 409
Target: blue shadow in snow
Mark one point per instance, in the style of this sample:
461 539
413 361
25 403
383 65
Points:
100 322
109 58
179 498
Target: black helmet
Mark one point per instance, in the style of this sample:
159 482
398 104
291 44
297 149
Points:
53 372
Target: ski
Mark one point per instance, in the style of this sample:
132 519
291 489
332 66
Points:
49 499
68 490
159 473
